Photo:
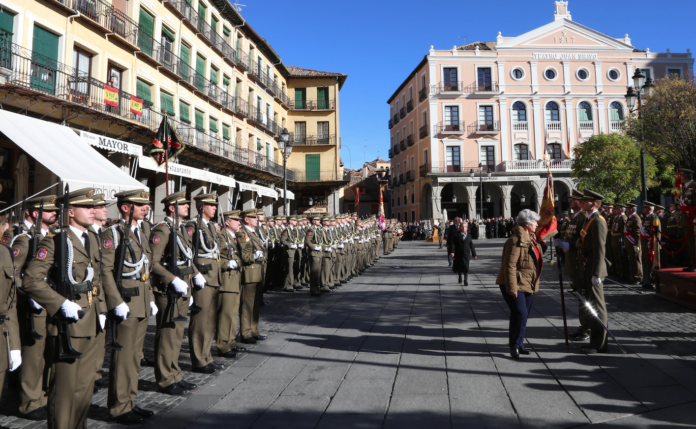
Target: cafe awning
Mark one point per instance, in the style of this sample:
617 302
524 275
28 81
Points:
66 155
260 190
185 171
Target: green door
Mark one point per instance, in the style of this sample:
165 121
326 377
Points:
6 31
185 58
45 59
147 29
312 167
300 98
200 73
322 98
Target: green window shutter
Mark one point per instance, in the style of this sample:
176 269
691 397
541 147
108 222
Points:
268 151
184 112
199 120
214 23
46 45
212 124
200 65
147 22
201 10
300 97
169 34
225 132
322 98
226 81
6 21
312 167
167 103
185 54
213 76
143 90
225 31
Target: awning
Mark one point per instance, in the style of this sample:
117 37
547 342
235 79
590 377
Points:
107 143
260 190
67 155
291 196
185 171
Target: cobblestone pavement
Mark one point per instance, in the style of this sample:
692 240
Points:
405 346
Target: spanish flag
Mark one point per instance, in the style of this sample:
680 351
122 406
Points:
547 224
136 106
110 96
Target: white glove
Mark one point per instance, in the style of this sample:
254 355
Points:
556 242
232 265
122 310
340 246
328 249
179 286
35 305
334 246
191 301
70 309
258 254
16 356
199 280
153 309
317 248
301 246
102 320
596 281
565 245
294 246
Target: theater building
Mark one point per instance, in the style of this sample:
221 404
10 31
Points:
475 121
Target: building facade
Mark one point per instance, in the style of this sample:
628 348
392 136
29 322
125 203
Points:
477 120
112 70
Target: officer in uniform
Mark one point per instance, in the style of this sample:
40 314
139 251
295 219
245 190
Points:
686 218
100 218
202 324
632 244
563 223
674 232
253 259
71 381
131 303
172 293
618 225
648 238
289 238
606 213
230 289
32 396
326 285
313 246
10 358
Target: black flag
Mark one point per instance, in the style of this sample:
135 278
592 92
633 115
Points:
166 142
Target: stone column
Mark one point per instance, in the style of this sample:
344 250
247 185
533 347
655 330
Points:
247 201
538 150
224 197
471 191
507 200
266 204
438 213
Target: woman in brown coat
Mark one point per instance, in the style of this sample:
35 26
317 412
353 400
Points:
519 276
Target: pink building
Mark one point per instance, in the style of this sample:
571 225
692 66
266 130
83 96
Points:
500 105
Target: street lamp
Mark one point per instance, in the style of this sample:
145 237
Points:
285 147
454 198
481 186
634 101
523 198
311 202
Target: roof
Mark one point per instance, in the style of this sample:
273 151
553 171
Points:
299 72
413 73
483 46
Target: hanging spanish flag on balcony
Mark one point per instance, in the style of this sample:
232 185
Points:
136 106
547 224
166 142
110 96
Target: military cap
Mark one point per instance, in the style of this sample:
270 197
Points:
631 206
82 197
686 170
99 200
314 216
49 202
576 195
673 204
326 218
609 205
263 222
354 214
565 212
232 214
135 196
259 212
659 207
292 218
619 206
207 198
589 194
249 213
648 204
173 198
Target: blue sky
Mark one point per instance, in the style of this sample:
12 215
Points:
378 43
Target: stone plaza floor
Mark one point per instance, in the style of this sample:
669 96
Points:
406 346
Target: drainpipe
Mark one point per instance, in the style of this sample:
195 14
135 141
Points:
67 32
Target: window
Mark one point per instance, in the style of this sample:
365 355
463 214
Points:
488 158
554 150
167 103
147 29
322 98
552 112
674 73
521 152
519 112
313 167
647 74
82 63
45 60
323 133
423 86
199 120
484 81
451 118
410 93
453 159
425 118
113 78
616 111
584 111
167 39
184 110
550 74
214 75
200 73
300 133
144 91
486 118
614 74
213 125
185 58
517 73
214 23
300 98
201 13
450 80
226 133
227 33
583 74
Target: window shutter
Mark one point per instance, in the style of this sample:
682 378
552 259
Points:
169 34
213 76
6 21
225 132
184 112
185 54
226 31
147 22
199 120
312 167
214 23
200 65
213 125
300 98
322 97
143 90
167 103
201 10
45 47
226 81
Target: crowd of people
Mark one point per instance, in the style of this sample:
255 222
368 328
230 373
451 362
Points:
91 283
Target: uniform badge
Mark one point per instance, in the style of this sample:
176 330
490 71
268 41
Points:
189 231
155 240
41 254
4 240
145 277
107 244
15 252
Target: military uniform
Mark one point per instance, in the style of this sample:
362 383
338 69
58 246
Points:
673 230
632 246
230 289
686 218
289 238
606 214
8 317
650 255
573 264
313 245
617 245
253 260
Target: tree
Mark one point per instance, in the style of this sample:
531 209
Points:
610 164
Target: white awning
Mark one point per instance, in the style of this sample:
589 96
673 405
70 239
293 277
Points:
67 155
107 143
260 190
185 171
291 196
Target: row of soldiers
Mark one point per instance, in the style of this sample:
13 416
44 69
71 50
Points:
124 274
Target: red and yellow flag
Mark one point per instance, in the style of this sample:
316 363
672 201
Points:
136 106
110 96
547 224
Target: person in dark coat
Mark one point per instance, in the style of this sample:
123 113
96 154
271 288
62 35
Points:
462 250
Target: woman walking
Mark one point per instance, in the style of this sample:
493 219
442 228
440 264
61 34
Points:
519 276
462 248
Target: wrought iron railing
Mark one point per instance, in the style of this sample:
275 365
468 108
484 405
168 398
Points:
422 94
312 105
410 140
409 106
312 140
402 145
484 127
391 124
424 131
318 176
447 86
450 127
403 112
482 86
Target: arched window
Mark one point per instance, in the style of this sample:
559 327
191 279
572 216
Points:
584 111
521 152
552 112
555 151
519 112
616 111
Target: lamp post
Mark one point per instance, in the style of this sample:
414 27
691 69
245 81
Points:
634 100
285 147
481 186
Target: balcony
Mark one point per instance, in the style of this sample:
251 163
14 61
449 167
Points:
616 126
241 107
228 101
586 126
450 128
257 116
445 88
423 170
320 176
424 131
391 153
256 74
410 140
553 126
559 165
422 94
401 179
391 125
448 167
484 127
411 176
520 126
482 88
229 53
396 149
312 105
242 60
403 112
105 16
402 145
409 106
311 140
396 118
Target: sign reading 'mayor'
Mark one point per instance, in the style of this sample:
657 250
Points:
569 56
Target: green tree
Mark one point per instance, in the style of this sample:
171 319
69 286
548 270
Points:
610 164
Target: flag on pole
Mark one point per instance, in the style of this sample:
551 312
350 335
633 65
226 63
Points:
381 211
677 185
568 142
547 224
166 142
357 200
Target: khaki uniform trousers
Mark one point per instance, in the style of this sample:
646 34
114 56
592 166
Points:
620 261
595 296
202 326
125 365
168 341
326 271
315 274
32 395
647 263
574 269
289 268
72 384
634 262
228 313
250 309
297 268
